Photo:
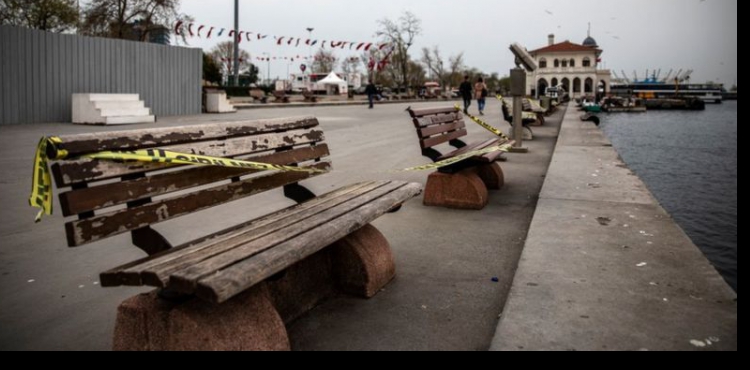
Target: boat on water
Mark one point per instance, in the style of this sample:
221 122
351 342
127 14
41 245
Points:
667 88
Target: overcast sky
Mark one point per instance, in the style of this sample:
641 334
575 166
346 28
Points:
634 34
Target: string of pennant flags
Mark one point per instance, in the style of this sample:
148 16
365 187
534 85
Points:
192 30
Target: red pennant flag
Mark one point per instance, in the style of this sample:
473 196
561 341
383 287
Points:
307 42
279 41
210 31
200 29
231 33
360 46
381 47
177 28
290 41
367 48
190 29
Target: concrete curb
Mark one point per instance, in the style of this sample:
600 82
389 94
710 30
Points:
335 104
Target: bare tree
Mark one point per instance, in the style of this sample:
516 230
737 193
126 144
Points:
456 63
434 63
325 62
46 15
223 55
401 34
350 65
130 19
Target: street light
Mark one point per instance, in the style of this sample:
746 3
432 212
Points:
310 59
268 69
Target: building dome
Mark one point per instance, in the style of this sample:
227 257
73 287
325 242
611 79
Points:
590 42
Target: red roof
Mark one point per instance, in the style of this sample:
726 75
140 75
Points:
563 47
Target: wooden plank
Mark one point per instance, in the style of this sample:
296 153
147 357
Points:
108 195
437 140
434 130
67 173
186 280
417 113
227 283
473 146
157 272
77 145
129 274
114 223
437 119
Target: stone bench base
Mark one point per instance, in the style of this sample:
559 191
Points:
467 189
360 264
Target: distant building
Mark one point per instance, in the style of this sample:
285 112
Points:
310 81
571 66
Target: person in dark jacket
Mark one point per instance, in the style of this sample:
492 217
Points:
467 92
371 92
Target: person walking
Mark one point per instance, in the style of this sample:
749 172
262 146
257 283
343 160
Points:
466 92
371 91
480 92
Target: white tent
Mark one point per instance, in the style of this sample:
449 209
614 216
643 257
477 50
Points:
334 85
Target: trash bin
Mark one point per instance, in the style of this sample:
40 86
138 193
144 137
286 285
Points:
546 102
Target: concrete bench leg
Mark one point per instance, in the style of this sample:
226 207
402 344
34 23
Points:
363 262
248 322
492 176
462 190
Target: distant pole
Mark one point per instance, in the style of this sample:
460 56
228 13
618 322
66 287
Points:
236 42
517 90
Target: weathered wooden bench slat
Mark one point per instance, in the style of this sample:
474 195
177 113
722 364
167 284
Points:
130 273
115 223
225 284
71 172
437 140
475 146
95 198
439 119
185 280
434 130
418 113
156 272
77 145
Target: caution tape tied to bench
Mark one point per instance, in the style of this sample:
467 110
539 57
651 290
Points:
41 190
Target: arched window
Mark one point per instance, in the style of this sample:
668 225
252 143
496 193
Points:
588 86
572 62
542 63
566 84
555 82
557 63
577 85
586 62
542 87
565 63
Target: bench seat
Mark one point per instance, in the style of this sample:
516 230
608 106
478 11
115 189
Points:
223 265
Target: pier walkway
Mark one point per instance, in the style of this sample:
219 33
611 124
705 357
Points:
606 268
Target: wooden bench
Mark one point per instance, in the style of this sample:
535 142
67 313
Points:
259 96
527 122
309 96
463 185
234 289
280 97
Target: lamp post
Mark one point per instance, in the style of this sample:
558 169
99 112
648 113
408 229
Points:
268 68
236 43
310 59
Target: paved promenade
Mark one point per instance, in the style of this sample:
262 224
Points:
443 297
606 268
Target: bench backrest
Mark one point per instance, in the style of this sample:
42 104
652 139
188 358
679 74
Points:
437 126
111 198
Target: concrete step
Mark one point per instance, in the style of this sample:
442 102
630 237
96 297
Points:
113 97
126 120
127 112
108 105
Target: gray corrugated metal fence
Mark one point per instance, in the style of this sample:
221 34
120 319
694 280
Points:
39 72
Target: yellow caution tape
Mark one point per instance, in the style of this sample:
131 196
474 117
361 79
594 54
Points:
463 157
41 191
41 186
165 156
486 126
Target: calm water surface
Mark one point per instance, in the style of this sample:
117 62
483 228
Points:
689 161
